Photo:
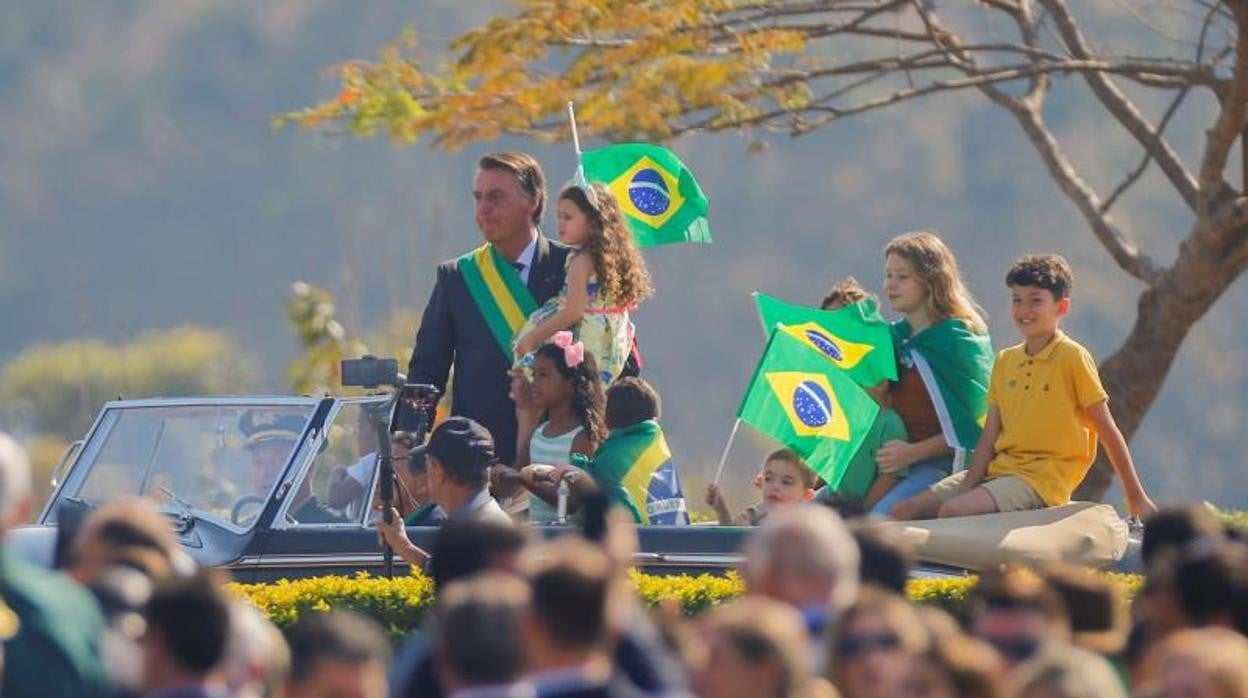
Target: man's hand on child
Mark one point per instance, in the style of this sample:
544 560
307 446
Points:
894 456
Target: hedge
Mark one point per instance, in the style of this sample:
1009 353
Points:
399 604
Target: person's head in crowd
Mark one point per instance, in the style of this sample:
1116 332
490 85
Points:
1097 610
128 530
885 557
569 623
1017 612
755 648
257 660
805 557
458 457
15 497
477 627
188 622
845 292
846 508
589 218
872 643
631 400
413 473
921 278
510 191
1205 662
1201 583
465 547
1174 526
1064 671
338 653
787 479
955 665
566 379
270 437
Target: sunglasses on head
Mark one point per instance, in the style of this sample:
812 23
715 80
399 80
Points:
852 646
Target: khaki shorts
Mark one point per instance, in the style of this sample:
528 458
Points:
1010 492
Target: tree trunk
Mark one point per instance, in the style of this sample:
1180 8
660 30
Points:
1167 311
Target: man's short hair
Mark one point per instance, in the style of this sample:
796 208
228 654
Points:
528 175
14 477
886 557
631 400
810 542
845 292
192 615
132 522
1016 587
478 627
572 584
1050 272
464 547
342 636
764 631
1177 525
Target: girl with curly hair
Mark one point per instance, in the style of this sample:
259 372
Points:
606 279
567 394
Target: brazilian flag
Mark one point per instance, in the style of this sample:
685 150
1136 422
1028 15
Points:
656 192
854 337
800 399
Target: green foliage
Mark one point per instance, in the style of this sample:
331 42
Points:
58 388
400 603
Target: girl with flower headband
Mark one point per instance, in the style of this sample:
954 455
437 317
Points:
606 279
566 395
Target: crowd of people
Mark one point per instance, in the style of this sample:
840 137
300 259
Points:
824 613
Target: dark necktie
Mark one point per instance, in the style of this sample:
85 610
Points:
518 266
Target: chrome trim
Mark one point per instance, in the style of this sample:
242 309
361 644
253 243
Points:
289 561
73 447
214 400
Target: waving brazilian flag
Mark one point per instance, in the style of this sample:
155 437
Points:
657 193
800 399
854 337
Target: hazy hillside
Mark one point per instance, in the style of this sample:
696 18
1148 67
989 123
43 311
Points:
140 187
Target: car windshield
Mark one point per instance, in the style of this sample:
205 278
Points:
209 459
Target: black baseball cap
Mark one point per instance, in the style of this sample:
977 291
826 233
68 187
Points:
459 443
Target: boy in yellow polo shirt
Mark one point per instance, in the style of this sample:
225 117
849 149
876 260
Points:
1046 408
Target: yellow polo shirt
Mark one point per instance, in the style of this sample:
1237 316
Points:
1046 437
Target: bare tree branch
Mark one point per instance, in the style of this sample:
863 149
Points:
1148 154
1117 104
1229 124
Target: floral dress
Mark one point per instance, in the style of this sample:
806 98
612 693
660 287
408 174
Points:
604 328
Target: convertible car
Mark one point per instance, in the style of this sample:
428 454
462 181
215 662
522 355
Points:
264 513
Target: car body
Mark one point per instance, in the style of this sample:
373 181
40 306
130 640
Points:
194 456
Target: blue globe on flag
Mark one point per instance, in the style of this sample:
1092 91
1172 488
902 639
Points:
825 344
648 192
812 405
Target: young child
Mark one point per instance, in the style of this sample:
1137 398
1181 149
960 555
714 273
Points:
786 480
1046 408
944 360
606 279
863 482
566 390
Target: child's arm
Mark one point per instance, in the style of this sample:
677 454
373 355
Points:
984 450
573 307
1138 501
897 454
527 417
715 498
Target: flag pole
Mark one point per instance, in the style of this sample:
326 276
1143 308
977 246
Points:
728 446
576 145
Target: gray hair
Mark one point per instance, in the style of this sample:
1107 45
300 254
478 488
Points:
14 478
809 542
477 627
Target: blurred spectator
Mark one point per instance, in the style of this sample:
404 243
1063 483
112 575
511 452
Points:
55 651
566 633
257 660
1097 610
805 557
1062 671
130 531
188 621
478 635
955 665
1206 663
1175 525
873 643
886 558
1018 613
337 653
755 648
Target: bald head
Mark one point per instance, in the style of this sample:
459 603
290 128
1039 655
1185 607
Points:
803 556
14 483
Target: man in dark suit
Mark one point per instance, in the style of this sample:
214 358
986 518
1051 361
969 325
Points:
456 330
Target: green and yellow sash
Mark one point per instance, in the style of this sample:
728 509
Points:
500 295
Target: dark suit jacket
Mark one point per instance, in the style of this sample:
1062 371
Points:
453 332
